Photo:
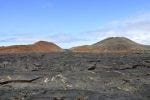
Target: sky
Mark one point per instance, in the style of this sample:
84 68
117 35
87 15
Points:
71 23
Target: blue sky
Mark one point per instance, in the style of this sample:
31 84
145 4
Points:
73 22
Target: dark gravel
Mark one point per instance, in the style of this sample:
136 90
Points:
75 76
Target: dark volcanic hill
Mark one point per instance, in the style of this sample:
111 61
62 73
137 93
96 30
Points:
38 47
112 44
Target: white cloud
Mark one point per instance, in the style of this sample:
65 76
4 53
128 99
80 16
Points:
136 27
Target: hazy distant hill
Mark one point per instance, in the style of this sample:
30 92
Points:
112 44
41 46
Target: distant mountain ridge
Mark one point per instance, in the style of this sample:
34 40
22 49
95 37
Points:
109 45
40 46
112 44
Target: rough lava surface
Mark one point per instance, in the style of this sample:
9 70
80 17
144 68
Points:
75 76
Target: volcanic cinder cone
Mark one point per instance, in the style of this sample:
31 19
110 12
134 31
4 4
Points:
38 47
112 44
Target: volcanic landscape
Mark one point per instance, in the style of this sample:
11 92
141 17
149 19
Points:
116 68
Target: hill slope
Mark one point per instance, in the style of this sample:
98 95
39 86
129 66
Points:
41 46
112 44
